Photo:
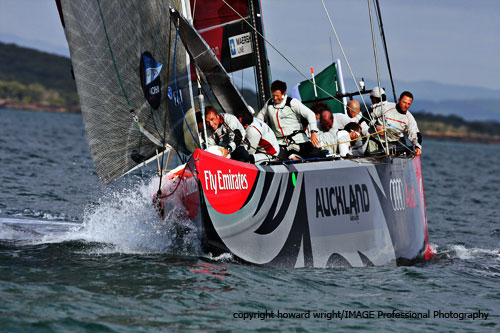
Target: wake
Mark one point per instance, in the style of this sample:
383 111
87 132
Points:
120 221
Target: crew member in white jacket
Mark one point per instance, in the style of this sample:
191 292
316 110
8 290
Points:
227 135
399 121
283 114
261 142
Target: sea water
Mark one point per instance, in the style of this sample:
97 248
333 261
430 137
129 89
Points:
76 255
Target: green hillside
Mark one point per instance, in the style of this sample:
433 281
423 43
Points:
29 76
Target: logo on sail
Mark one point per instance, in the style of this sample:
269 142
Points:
240 45
150 79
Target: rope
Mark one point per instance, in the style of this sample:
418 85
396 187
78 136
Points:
169 159
343 53
170 156
176 186
365 136
309 80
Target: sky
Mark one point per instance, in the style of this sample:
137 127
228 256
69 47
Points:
446 41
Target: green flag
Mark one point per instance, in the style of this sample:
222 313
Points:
327 80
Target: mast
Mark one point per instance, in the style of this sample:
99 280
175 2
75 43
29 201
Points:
261 62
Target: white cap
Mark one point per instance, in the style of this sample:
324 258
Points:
377 92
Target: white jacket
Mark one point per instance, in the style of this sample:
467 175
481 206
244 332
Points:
397 124
261 139
285 118
226 135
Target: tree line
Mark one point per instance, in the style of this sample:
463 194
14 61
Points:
30 76
429 122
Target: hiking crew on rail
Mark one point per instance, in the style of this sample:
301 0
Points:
279 130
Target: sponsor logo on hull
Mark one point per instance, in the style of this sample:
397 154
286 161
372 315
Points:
342 200
226 183
402 196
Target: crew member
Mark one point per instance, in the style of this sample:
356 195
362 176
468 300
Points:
283 114
262 144
227 135
399 121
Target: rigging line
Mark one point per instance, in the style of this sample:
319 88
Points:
295 68
331 48
152 118
377 69
282 55
196 140
382 33
112 55
343 53
176 88
347 62
374 44
166 103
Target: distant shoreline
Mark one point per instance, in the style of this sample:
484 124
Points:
45 107
432 135
480 139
